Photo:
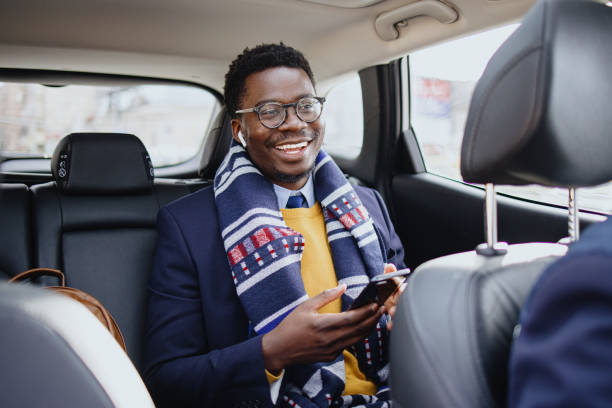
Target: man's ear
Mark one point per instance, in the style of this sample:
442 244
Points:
237 132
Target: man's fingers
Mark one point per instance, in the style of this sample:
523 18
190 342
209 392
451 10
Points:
325 297
391 302
390 268
350 320
360 331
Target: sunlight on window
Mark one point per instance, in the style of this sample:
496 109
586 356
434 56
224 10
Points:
171 120
442 81
343 115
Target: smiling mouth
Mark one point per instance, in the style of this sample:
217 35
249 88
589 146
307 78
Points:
292 148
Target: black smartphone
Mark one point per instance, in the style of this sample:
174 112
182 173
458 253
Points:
379 289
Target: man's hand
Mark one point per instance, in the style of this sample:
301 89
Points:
305 336
391 302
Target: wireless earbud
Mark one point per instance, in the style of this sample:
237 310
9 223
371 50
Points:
241 138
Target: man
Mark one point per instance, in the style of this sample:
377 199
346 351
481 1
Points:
563 354
249 294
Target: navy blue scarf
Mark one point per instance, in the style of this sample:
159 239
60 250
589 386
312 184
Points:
265 255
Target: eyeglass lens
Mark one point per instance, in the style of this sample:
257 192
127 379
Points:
272 115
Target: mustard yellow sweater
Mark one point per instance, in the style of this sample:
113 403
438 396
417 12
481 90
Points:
318 275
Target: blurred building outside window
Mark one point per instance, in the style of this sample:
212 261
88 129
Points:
171 120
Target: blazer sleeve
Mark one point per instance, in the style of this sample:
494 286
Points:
562 356
180 367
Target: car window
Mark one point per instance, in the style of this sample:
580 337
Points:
171 120
442 80
343 114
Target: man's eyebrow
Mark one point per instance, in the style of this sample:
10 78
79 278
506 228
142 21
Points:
306 95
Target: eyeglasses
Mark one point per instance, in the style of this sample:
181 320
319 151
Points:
273 114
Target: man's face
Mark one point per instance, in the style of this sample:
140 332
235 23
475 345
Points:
269 149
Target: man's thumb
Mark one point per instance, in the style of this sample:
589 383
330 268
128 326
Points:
327 296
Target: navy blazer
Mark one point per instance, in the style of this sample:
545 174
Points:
563 354
198 351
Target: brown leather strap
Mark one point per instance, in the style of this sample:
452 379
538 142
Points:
90 302
36 272
96 308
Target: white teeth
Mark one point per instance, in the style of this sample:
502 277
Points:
292 146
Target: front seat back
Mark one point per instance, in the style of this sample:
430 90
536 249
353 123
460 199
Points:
538 116
55 353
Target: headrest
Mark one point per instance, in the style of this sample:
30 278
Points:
102 163
216 145
540 111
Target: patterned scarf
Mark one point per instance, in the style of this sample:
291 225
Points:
265 255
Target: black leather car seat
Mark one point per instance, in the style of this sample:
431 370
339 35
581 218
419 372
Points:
97 223
16 235
538 115
55 353
216 145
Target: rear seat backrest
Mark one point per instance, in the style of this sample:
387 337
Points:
216 145
97 223
16 236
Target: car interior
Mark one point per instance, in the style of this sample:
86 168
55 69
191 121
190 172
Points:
80 192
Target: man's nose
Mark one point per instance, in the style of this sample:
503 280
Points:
292 121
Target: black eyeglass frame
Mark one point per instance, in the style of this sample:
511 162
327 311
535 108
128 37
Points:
285 106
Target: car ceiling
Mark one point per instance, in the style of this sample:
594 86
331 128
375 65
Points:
195 40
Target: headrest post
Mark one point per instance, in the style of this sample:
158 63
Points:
573 221
491 215
491 247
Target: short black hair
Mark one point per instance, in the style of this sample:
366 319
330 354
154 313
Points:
258 59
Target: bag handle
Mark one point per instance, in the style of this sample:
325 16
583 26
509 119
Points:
36 272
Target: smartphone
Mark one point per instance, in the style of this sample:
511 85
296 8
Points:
379 289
